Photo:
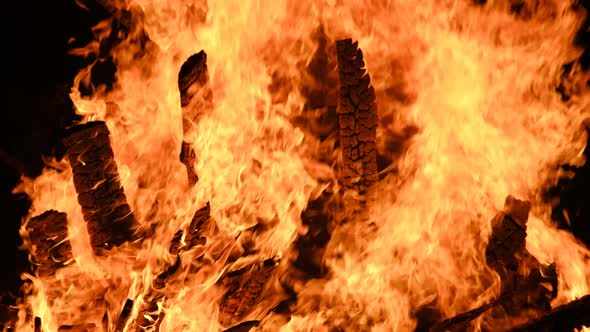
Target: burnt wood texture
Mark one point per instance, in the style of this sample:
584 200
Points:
50 247
244 289
532 284
357 113
109 219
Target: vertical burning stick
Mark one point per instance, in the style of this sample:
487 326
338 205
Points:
50 248
196 99
358 119
109 219
523 276
521 273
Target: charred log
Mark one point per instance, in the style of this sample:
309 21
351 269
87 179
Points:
319 88
37 324
108 217
50 248
358 119
244 290
508 237
311 246
524 280
567 317
196 100
522 275
193 83
428 317
188 157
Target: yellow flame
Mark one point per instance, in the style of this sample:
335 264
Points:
480 82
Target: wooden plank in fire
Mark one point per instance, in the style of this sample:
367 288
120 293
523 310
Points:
358 119
196 100
108 217
50 247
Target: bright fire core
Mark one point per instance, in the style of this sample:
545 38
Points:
468 111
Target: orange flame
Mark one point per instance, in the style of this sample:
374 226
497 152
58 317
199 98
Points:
478 81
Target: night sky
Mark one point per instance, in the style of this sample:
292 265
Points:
36 77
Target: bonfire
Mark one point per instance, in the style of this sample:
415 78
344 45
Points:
315 166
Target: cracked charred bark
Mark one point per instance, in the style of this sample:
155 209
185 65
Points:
521 273
358 119
527 285
108 217
50 248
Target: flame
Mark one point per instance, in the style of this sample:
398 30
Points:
476 82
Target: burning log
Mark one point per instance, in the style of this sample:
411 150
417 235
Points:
108 217
358 119
196 99
50 248
188 157
320 90
567 317
311 246
244 290
524 278
37 324
521 273
508 237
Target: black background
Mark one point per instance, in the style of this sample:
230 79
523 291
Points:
36 75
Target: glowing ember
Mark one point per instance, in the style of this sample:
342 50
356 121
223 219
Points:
279 233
